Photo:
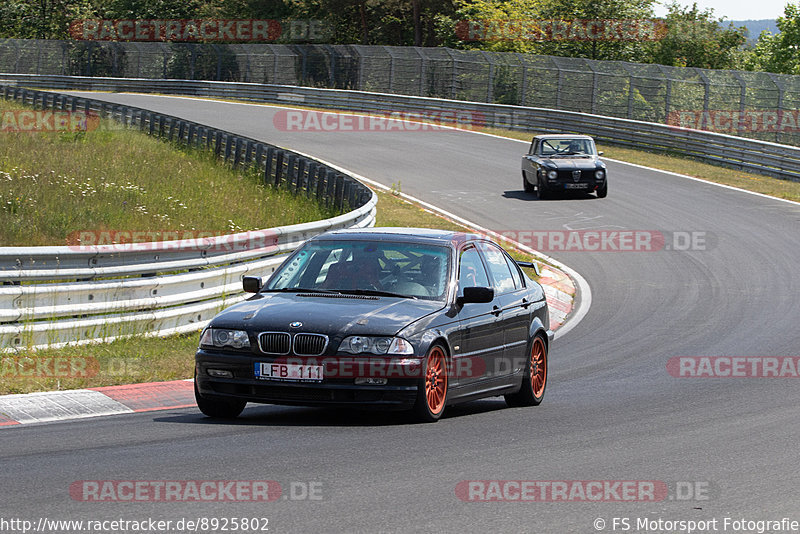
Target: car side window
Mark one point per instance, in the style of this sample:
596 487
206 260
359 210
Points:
515 272
498 267
471 271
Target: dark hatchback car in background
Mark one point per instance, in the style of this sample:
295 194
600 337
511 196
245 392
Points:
404 318
563 163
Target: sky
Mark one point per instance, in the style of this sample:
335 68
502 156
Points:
735 9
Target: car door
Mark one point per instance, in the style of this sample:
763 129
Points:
513 308
480 342
529 162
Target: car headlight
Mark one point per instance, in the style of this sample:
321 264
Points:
375 345
599 174
552 175
220 337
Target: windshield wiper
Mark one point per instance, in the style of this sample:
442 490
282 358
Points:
299 290
375 292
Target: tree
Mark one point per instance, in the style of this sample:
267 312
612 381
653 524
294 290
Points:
779 53
41 19
696 38
636 14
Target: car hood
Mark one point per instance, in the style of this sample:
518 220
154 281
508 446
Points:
325 315
569 164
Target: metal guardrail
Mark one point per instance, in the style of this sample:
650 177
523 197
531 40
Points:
51 296
772 159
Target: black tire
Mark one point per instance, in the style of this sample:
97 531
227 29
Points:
602 192
218 408
526 185
534 382
542 191
432 386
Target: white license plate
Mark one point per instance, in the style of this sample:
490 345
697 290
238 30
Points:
288 372
576 186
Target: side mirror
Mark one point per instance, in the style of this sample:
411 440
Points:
530 265
251 284
600 153
479 295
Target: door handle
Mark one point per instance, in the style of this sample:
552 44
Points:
496 310
525 303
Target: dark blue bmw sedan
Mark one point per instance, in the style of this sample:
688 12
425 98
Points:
399 318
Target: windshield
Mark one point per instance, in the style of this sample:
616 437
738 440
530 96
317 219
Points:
371 267
567 147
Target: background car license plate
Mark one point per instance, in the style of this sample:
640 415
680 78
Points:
576 186
288 372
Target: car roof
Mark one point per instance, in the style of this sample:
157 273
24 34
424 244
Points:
418 235
563 136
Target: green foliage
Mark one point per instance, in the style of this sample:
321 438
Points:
696 38
629 10
41 19
779 53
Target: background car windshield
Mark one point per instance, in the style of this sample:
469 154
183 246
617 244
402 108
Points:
551 147
409 269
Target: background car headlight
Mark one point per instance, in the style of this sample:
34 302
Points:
219 337
552 175
599 174
375 345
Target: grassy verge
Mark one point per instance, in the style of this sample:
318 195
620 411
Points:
53 185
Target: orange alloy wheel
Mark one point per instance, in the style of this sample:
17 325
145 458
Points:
436 380
538 367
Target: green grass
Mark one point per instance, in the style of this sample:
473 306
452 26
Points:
125 361
55 184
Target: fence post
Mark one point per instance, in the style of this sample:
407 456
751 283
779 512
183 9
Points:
779 84
706 87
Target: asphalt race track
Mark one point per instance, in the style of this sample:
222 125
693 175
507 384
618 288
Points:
612 410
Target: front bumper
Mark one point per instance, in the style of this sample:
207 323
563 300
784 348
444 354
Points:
337 389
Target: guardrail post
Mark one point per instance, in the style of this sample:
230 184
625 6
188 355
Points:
228 147
330 187
313 176
237 152
347 192
291 171
217 142
338 192
301 175
268 165
259 154
278 168
247 146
